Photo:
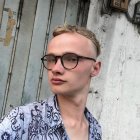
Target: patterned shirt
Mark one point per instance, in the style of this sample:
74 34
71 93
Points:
41 121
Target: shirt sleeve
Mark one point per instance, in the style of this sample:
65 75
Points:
11 126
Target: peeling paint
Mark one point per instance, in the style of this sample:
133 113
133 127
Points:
10 26
1 39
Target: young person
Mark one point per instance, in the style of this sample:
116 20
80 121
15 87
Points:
71 62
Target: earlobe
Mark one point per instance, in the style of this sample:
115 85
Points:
96 69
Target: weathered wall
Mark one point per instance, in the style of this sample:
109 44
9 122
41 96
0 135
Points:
115 94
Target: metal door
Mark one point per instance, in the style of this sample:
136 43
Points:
25 28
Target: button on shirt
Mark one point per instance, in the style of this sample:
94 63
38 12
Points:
41 121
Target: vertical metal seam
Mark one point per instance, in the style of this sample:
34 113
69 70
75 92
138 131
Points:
45 47
85 12
28 55
81 12
2 14
66 6
78 13
12 57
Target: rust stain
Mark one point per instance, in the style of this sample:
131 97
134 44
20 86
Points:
1 39
10 25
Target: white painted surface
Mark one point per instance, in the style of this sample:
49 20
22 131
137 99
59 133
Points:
117 104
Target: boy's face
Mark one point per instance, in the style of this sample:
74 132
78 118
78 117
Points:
77 80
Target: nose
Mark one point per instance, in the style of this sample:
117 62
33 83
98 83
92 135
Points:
58 67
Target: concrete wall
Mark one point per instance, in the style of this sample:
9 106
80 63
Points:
115 93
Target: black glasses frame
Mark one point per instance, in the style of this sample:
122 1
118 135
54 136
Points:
61 59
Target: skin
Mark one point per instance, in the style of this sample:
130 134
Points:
72 86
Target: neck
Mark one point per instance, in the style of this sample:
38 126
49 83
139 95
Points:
72 108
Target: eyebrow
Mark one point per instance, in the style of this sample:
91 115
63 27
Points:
70 52
82 56
62 53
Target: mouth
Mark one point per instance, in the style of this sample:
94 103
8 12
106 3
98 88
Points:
57 81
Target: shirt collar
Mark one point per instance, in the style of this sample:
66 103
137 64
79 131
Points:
94 127
54 119
53 116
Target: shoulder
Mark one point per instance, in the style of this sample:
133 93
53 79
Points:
18 119
24 111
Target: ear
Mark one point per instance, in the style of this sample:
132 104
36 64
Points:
95 68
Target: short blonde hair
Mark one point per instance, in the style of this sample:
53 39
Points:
80 30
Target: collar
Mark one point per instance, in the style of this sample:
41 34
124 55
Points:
52 113
54 119
94 127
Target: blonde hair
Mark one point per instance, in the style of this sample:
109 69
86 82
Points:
80 30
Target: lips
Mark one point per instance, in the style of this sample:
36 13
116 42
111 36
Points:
57 81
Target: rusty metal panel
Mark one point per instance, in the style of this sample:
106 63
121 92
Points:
7 40
21 54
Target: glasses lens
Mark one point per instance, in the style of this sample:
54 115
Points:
70 60
49 61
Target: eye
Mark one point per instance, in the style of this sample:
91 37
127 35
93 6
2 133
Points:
70 58
50 59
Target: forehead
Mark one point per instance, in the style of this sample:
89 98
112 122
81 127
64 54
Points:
71 42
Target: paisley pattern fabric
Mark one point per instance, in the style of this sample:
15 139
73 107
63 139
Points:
41 121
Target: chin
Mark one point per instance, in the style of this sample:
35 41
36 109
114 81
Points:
61 92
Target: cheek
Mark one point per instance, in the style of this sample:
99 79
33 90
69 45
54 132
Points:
81 74
49 76
84 69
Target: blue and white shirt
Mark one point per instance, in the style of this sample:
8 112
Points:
41 121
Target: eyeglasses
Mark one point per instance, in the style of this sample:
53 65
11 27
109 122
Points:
68 60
